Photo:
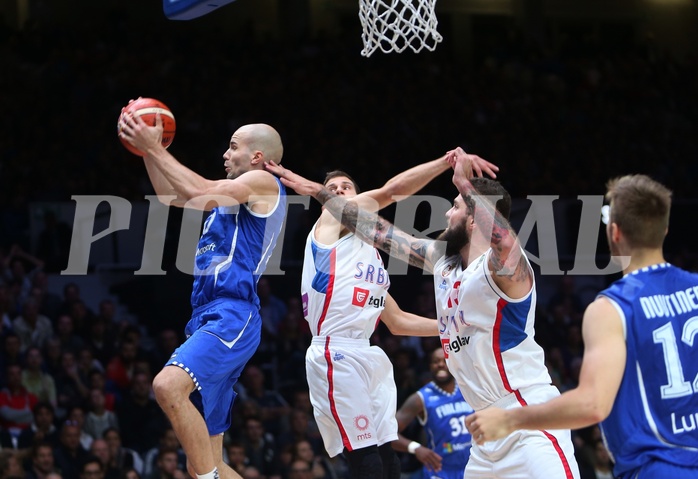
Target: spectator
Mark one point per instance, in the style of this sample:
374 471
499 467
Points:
122 458
273 311
11 465
42 463
69 455
100 449
300 469
65 332
100 339
300 430
16 403
16 263
236 456
70 388
168 440
98 418
42 430
53 358
35 380
141 420
50 302
120 367
33 329
167 466
99 381
319 465
274 408
603 466
260 449
76 415
11 352
91 468
167 342
5 310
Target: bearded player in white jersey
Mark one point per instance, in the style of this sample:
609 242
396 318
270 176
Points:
485 293
344 290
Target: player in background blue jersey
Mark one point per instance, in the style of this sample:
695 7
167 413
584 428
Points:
195 388
639 375
441 410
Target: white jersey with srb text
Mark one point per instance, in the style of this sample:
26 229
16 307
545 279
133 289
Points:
487 336
343 287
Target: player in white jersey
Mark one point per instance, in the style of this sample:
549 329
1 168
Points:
638 376
485 292
345 294
195 387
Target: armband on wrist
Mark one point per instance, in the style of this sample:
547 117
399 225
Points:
412 447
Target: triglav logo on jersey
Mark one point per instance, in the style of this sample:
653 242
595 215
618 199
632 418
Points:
361 297
454 346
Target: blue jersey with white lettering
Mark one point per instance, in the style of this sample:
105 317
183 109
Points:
233 251
655 415
444 425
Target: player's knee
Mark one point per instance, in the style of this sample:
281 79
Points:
364 463
170 384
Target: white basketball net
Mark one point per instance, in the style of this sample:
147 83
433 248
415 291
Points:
394 25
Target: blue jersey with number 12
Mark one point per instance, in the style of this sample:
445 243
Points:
655 415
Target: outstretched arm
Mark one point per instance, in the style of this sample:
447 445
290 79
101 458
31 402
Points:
414 179
414 407
367 226
507 263
402 323
589 403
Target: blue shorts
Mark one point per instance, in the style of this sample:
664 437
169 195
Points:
222 336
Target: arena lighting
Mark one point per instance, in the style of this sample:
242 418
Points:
190 9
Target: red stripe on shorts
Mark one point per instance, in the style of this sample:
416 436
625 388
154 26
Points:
330 395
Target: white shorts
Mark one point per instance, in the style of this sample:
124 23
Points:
353 393
525 454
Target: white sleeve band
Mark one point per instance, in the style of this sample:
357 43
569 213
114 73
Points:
411 447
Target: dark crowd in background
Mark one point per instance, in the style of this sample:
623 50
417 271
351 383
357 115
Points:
558 120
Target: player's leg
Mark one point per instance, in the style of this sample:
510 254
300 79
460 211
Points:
383 394
172 387
224 470
391 463
364 463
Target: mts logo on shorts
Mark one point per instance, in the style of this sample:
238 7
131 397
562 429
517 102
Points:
362 296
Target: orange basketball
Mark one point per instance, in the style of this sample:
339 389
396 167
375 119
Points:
147 108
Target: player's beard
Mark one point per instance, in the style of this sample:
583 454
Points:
456 238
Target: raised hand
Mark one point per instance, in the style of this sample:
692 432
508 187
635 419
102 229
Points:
479 165
297 183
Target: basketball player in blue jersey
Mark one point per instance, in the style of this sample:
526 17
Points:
344 290
195 388
486 299
639 375
441 410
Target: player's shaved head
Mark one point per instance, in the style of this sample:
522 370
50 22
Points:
264 138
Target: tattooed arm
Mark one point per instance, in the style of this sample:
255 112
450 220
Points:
366 225
507 262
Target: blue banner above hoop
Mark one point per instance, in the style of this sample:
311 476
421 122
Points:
190 9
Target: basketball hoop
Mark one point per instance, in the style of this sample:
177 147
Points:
394 25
